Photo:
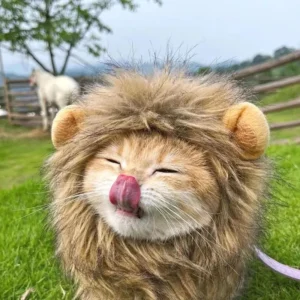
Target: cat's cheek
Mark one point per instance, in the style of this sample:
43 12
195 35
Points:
96 186
88 183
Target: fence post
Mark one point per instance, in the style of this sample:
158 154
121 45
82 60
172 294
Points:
6 97
273 63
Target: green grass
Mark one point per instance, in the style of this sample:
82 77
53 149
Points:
285 134
26 256
282 240
27 252
27 244
5 126
293 114
21 160
284 94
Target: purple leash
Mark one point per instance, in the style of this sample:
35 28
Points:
280 268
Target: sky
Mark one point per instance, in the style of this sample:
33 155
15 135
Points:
215 30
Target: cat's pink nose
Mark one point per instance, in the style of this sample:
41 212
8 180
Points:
125 193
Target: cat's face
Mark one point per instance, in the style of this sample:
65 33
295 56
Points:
151 187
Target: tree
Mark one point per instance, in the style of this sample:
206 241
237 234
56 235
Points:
260 58
283 51
56 25
204 70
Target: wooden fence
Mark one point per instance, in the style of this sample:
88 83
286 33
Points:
280 107
274 63
2 101
21 101
272 87
23 107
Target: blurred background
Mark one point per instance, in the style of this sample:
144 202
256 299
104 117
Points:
255 42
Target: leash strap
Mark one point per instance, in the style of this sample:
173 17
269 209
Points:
278 267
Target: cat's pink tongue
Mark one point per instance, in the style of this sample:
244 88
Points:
125 193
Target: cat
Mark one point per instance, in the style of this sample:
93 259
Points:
158 183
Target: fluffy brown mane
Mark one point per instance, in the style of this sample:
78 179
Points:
206 264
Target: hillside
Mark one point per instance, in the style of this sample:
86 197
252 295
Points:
100 68
287 70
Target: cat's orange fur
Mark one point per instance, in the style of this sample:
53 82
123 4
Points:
200 224
140 155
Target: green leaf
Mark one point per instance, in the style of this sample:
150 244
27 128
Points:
56 23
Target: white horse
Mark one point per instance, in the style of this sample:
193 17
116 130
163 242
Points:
53 90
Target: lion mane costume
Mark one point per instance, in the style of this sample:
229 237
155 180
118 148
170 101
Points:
209 112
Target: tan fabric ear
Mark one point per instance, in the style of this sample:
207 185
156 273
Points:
66 124
250 129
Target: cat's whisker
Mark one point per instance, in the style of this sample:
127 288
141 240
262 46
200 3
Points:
184 196
67 171
197 209
189 233
204 238
49 193
200 210
162 199
189 216
74 196
34 212
50 204
169 214
214 243
165 217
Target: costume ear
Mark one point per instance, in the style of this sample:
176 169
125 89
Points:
249 128
66 124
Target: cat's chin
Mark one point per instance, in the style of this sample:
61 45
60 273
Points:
143 228
139 213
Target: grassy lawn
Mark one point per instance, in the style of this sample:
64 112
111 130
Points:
282 240
284 94
23 159
27 246
5 127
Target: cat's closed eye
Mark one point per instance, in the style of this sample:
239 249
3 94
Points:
113 161
164 170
